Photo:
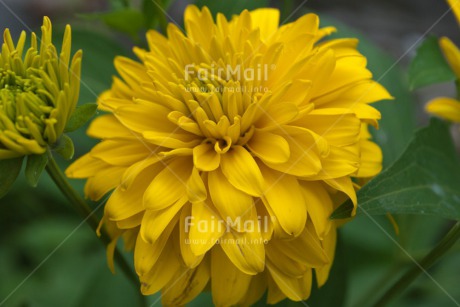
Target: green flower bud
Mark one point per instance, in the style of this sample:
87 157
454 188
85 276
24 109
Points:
38 92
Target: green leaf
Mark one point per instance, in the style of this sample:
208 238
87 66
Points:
34 168
424 180
65 147
429 65
230 8
128 21
154 12
80 116
125 20
9 171
149 9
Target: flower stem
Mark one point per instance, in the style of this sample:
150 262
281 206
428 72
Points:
82 207
436 253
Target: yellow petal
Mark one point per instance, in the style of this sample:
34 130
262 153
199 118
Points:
196 191
190 259
231 203
319 206
267 20
242 171
146 254
205 227
304 159
455 5
103 182
345 185
129 238
329 244
451 53
277 114
228 284
205 157
131 222
267 221
284 189
108 102
124 203
131 72
348 70
285 264
169 185
108 127
269 147
162 272
342 46
155 222
296 289
256 290
142 117
274 295
105 97
322 32
201 31
295 134
305 249
123 153
367 91
135 169
339 127
366 113
186 285
85 166
341 161
246 250
444 107
172 139
320 68
371 159
110 254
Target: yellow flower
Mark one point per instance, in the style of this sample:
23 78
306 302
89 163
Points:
227 148
446 107
38 93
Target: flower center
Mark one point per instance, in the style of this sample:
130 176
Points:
24 102
217 102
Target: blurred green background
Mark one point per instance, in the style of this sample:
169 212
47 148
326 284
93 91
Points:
49 257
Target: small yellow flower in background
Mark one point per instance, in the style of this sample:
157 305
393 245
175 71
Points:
446 107
227 148
39 90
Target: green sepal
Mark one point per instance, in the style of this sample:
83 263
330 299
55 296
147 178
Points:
9 171
424 180
34 168
429 65
65 147
80 116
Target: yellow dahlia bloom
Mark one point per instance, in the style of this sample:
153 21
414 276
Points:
227 147
38 92
446 107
